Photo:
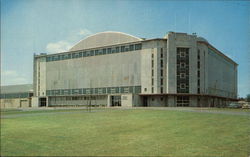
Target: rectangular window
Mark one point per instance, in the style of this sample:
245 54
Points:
152 82
183 65
113 50
198 64
145 89
87 53
161 63
152 56
152 63
104 51
198 90
182 75
96 52
198 73
109 50
161 89
198 83
182 85
138 46
122 48
84 54
152 72
117 49
161 72
80 54
152 89
92 53
182 54
161 81
131 47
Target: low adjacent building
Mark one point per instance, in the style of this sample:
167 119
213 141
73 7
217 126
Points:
16 96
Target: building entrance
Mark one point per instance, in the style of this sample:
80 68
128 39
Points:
42 102
116 100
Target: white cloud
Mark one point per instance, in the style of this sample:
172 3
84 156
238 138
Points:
10 77
85 32
65 45
60 46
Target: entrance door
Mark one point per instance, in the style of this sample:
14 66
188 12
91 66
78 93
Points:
116 100
42 102
145 101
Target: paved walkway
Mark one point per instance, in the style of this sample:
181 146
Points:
83 110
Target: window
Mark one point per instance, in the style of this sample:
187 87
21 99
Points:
161 63
131 47
161 89
182 54
198 83
145 89
198 73
161 72
80 54
122 48
183 86
109 50
152 89
183 65
96 52
84 54
152 56
152 72
153 99
152 81
182 75
198 90
198 64
138 46
92 53
104 51
161 52
161 81
117 49
152 63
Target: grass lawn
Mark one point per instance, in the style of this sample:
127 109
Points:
126 133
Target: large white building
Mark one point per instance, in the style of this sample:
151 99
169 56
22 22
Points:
117 69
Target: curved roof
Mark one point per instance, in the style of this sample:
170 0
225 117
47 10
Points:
104 39
202 39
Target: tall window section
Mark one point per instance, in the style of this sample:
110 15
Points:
198 71
161 70
152 71
182 75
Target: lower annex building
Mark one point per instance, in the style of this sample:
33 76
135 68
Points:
117 69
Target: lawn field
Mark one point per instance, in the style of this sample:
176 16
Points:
128 132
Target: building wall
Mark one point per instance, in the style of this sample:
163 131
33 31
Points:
15 103
222 75
112 70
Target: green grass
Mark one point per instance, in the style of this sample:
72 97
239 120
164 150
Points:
127 133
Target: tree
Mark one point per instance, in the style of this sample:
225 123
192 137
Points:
248 98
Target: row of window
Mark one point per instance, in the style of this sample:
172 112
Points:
94 52
105 90
16 95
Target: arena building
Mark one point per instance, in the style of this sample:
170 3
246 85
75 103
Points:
117 69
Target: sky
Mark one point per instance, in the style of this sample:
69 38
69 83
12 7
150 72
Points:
51 26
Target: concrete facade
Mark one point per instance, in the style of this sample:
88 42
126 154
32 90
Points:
117 69
16 96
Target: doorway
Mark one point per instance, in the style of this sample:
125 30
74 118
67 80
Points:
116 100
42 102
145 101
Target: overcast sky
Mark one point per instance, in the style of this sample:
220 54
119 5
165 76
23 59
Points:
50 26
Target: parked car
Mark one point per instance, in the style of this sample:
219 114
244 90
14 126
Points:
246 106
234 105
